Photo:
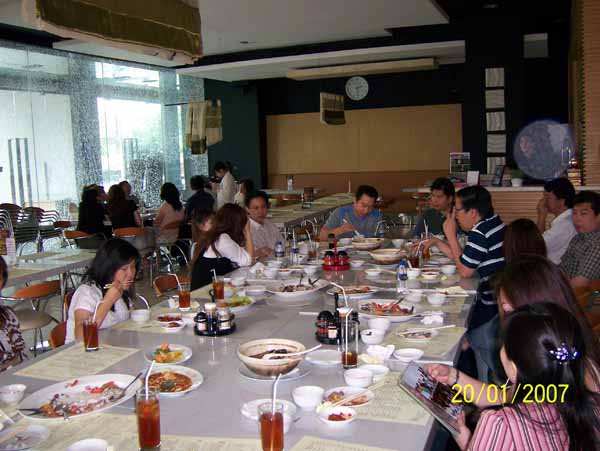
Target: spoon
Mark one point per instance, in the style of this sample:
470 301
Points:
124 390
272 355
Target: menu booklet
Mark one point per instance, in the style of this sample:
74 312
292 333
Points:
433 396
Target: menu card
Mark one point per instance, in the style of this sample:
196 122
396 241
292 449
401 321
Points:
74 361
308 443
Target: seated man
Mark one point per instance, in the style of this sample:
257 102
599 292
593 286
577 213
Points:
265 234
200 200
581 261
484 252
558 200
442 200
359 216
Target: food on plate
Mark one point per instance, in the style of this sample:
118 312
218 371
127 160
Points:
387 309
164 354
362 289
87 400
174 324
271 351
337 396
339 416
169 382
294 288
168 318
417 335
239 301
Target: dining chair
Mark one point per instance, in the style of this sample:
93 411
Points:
164 244
168 282
57 335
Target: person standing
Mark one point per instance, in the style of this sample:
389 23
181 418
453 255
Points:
226 188
558 201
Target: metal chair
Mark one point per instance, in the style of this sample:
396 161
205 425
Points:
143 239
168 282
164 244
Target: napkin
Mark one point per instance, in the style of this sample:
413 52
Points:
455 290
258 266
380 352
433 318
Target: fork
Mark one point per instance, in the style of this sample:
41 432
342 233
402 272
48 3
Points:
312 283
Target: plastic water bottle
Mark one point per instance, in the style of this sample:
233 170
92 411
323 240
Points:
279 250
295 251
401 277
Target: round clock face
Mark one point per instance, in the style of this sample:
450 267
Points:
357 88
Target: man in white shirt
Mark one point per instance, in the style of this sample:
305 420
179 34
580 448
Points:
227 188
265 234
558 200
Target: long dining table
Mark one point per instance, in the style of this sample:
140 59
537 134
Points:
213 409
293 215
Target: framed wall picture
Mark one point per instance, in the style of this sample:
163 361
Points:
498 175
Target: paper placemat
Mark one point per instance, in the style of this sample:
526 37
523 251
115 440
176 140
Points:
308 443
392 404
74 361
149 327
122 435
438 346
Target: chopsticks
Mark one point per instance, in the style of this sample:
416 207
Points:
425 329
349 398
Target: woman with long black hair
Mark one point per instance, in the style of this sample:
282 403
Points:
106 288
170 212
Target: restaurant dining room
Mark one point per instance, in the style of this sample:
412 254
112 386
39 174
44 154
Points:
301 225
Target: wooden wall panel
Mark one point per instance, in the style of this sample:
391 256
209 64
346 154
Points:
383 139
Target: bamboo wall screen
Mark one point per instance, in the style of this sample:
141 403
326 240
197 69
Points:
383 139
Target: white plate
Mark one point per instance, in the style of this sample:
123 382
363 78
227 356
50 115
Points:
89 444
325 357
433 333
243 308
324 414
395 319
32 436
43 396
350 391
301 370
194 305
187 353
196 377
354 297
250 409
297 295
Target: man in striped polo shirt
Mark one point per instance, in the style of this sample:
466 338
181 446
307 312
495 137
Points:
484 251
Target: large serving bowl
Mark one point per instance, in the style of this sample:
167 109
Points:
387 256
367 244
271 367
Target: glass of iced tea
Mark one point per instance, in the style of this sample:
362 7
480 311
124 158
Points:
271 426
148 419
219 288
90 335
184 296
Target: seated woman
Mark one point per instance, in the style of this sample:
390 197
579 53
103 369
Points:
91 212
227 246
122 212
522 237
171 211
531 280
12 345
544 346
106 288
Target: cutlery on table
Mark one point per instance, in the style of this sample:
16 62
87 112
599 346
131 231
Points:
424 329
124 390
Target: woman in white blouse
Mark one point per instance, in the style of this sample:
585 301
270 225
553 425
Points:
227 246
114 266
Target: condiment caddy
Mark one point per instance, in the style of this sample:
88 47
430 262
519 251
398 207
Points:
214 321
335 260
331 326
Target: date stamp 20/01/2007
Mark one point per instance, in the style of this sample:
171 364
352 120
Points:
502 394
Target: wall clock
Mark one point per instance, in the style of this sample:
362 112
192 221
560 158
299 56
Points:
357 88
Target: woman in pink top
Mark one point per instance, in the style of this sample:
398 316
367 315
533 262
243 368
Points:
170 213
543 347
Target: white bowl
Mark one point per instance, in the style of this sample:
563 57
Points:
356 263
414 297
256 290
382 324
448 269
12 394
140 316
516 182
413 273
387 256
89 444
372 336
324 414
407 355
308 397
172 330
379 371
429 275
357 377
285 274
345 241
436 298
398 242
372 272
275 264
311 270
271 272
238 281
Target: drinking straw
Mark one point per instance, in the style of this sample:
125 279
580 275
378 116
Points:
426 228
343 292
148 377
214 275
274 396
95 310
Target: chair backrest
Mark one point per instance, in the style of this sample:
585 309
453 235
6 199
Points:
73 234
168 282
58 335
63 224
67 301
39 290
128 231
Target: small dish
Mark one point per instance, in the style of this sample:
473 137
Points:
238 281
413 273
372 272
256 290
355 264
345 414
379 371
308 397
271 272
398 242
449 269
173 326
436 298
407 355
382 324
140 316
275 264
429 275
357 377
285 274
12 394
89 444
372 336
311 270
